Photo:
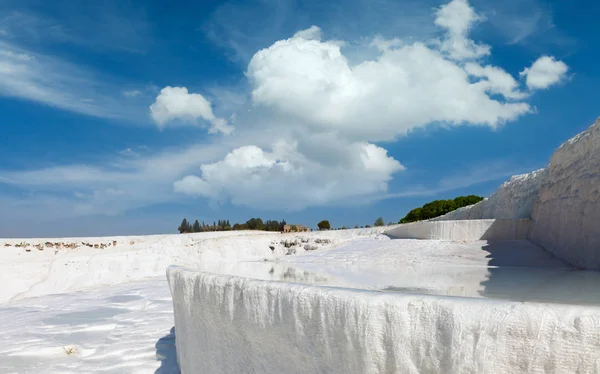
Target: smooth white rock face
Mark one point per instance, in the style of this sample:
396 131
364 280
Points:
463 230
566 216
228 324
513 199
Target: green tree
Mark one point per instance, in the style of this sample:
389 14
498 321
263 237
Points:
438 208
255 224
324 225
183 228
196 227
379 222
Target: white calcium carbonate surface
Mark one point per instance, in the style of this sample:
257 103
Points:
228 324
566 217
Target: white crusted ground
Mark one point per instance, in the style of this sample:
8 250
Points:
116 329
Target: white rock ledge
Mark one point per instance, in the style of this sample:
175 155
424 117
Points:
228 324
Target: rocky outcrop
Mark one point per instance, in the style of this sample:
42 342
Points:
566 215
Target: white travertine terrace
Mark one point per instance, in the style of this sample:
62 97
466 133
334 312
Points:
229 324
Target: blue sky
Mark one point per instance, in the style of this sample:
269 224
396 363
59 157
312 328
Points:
123 117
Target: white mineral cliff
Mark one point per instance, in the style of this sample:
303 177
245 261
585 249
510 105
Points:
562 200
566 214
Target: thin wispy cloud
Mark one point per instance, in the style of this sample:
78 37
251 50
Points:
132 93
26 74
526 22
111 25
140 177
243 27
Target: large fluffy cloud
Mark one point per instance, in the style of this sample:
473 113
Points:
544 72
176 103
406 87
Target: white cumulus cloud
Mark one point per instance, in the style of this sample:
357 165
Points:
284 177
544 72
495 80
404 88
176 103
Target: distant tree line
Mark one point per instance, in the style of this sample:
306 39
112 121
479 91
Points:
224 225
438 208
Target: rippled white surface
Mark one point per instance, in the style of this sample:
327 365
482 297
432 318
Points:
117 329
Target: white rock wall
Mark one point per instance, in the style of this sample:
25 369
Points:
513 199
227 324
566 216
463 230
